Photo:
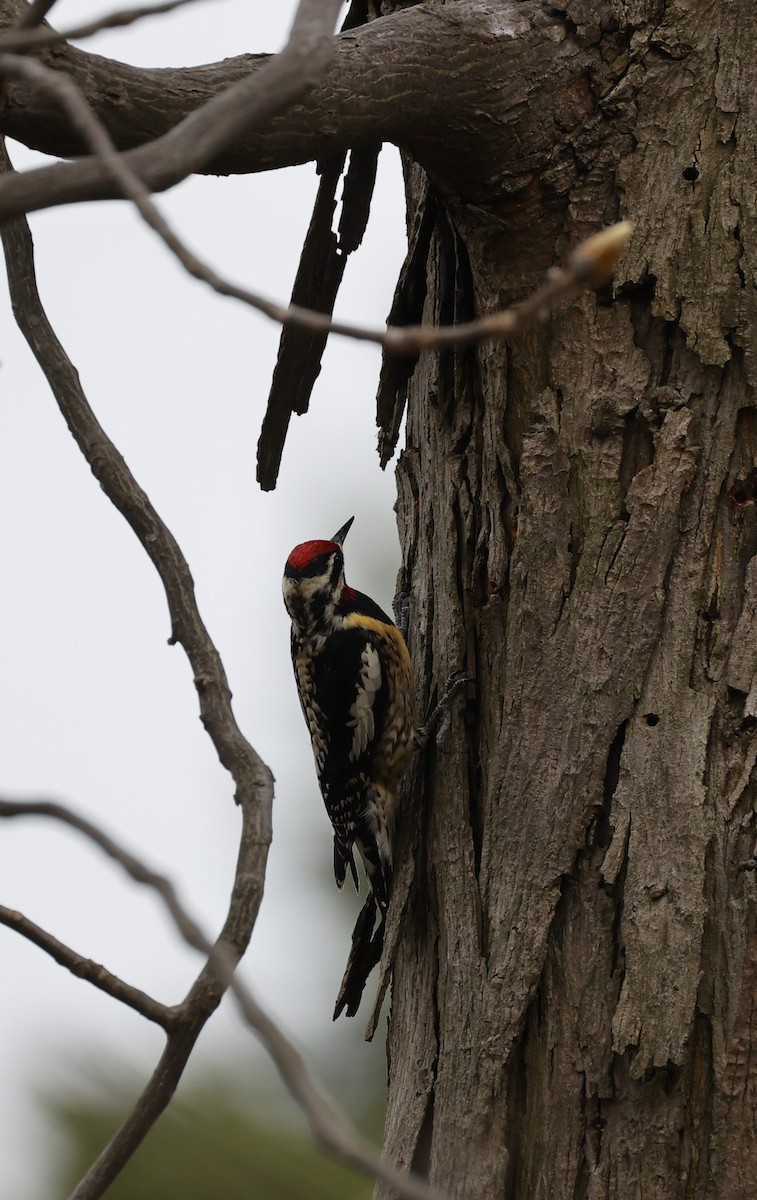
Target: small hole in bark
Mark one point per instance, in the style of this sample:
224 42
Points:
652 719
748 724
744 491
690 174
561 15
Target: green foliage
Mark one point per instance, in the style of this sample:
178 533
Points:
205 1147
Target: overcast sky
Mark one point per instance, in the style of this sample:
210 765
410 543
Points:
96 709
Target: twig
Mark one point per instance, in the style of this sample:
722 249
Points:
26 37
84 968
329 1126
35 14
133 866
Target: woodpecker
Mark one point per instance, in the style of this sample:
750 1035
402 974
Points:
355 683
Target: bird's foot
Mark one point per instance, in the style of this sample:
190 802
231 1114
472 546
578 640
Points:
439 717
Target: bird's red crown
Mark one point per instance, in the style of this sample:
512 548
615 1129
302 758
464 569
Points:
307 551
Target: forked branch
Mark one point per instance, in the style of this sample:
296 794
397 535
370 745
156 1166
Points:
84 968
329 1126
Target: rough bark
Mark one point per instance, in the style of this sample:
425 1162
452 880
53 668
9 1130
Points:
573 997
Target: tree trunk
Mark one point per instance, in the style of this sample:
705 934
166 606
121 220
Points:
573 1010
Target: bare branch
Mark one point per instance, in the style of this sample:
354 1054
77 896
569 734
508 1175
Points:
250 773
204 133
187 1018
589 265
84 968
329 1126
200 1002
253 779
26 37
420 78
35 13
593 260
133 866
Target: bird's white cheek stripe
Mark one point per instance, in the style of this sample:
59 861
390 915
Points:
361 711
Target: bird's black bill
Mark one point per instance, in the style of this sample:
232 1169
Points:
341 534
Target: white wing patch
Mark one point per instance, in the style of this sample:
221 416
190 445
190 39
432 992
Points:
362 709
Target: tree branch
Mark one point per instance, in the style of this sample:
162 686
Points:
406 78
84 968
252 778
591 263
25 36
241 105
134 867
35 13
188 1018
329 1126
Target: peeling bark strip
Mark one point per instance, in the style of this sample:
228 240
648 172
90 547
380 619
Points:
319 276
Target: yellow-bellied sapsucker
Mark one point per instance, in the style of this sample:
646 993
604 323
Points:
355 683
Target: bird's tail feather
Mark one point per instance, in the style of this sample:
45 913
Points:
367 944
343 858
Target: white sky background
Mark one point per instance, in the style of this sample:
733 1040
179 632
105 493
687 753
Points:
96 709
